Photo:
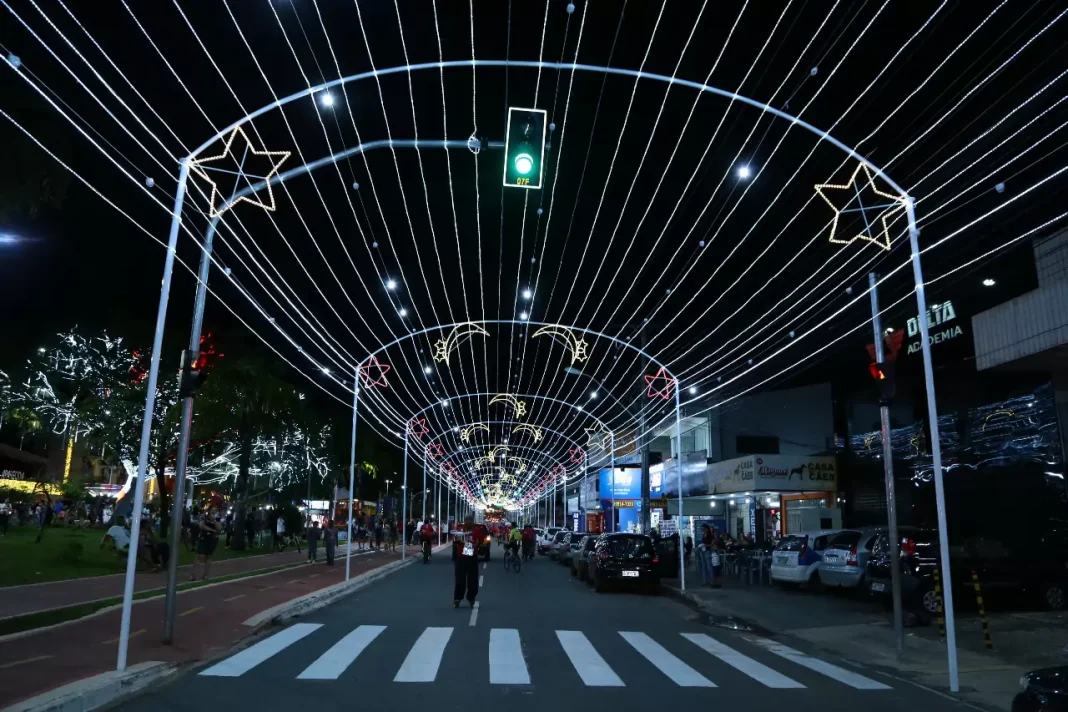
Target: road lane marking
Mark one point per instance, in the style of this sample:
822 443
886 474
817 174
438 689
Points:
341 654
266 588
474 615
139 631
587 662
183 614
27 661
250 657
834 672
421 664
480 580
507 666
758 671
233 598
679 672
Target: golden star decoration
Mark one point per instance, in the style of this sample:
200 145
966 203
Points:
881 237
200 167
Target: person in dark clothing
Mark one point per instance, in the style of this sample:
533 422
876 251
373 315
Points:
313 541
330 541
465 563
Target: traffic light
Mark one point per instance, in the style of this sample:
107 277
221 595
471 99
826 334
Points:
524 148
883 373
191 376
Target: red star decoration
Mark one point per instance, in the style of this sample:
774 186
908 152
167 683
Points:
560 471
417 428
577 455
666 390
448 469
380 370
435 450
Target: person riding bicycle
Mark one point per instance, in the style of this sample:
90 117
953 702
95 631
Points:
528 535
426 533
515 537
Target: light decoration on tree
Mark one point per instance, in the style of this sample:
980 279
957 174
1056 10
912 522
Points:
200 167
885 214
535 432
598 437
660 385
373 373
276 461
417 428
577 455
467 432
435 451
518 406
443 348
575 345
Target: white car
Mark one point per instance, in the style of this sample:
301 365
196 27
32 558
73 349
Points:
796 558
545 538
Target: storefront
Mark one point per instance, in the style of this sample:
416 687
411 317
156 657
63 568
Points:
617 491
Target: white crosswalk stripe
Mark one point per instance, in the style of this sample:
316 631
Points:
341 654
250 657
507 666
758 671
846 677
680 673
588 663
423 659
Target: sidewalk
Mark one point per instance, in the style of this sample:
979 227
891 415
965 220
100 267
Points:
853 629
35 597
211 620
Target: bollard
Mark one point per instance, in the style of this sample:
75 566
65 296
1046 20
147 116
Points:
938 596
982 612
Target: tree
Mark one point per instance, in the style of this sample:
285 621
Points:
30 180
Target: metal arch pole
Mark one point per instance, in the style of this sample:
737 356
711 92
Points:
678 528
612 481
146 423
437 506
404 500
888 471
936 447
424 489
352 468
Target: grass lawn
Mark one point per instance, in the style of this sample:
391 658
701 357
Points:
70 553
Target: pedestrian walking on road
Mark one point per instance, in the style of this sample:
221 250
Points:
465 563
379 534
313 542
210 529
330 541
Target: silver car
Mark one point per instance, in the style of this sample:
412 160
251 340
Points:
845 559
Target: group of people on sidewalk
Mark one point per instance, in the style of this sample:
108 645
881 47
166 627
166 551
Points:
328 535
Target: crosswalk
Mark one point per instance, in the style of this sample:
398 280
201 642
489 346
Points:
509 662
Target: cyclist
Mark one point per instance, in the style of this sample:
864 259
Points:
426 533
528 536
515 537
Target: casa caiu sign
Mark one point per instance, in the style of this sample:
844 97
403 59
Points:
940 318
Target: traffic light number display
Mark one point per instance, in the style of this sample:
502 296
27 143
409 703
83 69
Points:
524 148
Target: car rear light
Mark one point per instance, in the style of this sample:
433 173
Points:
851 557
656 559
908 547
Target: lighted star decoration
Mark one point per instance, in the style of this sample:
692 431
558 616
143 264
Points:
243 151
575 345
660 385
378 370
417 428
435 451
885 213
443 348
598 437
467 432
577 455
558 472
519 406
535 432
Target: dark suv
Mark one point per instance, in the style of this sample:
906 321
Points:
627 559
1035 568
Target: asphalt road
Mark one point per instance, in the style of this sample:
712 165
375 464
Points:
539 639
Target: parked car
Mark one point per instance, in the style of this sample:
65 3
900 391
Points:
1027 566
580 553
558 543
628 559
1044 690
567 546
545 538
796 558
845 559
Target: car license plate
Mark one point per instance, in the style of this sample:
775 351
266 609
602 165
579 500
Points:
876 586
830 559
782 559
630 574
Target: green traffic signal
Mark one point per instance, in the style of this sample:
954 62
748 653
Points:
524 148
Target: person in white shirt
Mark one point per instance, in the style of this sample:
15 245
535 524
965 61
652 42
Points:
120 538
279 534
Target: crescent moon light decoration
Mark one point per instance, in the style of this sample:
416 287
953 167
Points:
466 433
443 348
574 344
519 406
535 432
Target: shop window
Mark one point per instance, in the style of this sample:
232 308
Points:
756 444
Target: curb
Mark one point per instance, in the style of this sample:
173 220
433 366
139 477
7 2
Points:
97 691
